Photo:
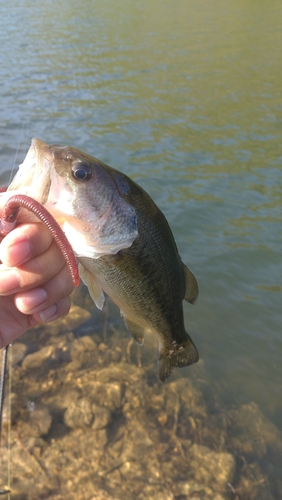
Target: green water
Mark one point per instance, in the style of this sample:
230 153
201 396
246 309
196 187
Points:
185 97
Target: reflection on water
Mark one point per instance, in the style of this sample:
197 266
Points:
186 100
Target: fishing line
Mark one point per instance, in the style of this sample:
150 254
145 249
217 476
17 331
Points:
18 147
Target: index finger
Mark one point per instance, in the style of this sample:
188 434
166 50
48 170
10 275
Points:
25 242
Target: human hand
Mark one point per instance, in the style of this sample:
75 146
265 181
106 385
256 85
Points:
35 282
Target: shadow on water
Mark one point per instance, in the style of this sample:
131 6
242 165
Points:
90 420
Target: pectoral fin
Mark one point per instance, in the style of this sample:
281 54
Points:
192 291
95 290
136 331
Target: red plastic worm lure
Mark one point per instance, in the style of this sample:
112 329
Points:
9 216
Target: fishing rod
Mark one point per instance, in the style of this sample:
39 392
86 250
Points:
2 387
2 395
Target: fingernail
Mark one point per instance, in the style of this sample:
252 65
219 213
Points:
48 313
19 252
31 300
9 281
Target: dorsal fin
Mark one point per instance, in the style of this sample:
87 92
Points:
191 292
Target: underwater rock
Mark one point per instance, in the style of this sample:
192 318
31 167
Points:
189 397
31 480
82 349
124 372
18 351
79 414
109 394
63 399
191 489
103 495
182 391
102 417
40 420
253 434
253 484
75 318
82 412
114 432
211 468
36 359
139 441
155 492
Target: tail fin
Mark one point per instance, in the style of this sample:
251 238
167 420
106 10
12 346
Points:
177 355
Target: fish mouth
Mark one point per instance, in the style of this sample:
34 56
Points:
44 161
34 175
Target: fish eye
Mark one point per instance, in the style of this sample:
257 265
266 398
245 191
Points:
81 171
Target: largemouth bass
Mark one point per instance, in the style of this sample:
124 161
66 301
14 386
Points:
123 243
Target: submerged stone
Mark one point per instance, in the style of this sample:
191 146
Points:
82 349
253 434
102 417
211 468
79 413
36 359
40 419
191 489
18 352
110 431
75 318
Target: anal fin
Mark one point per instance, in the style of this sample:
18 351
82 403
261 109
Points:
192 291
136 331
